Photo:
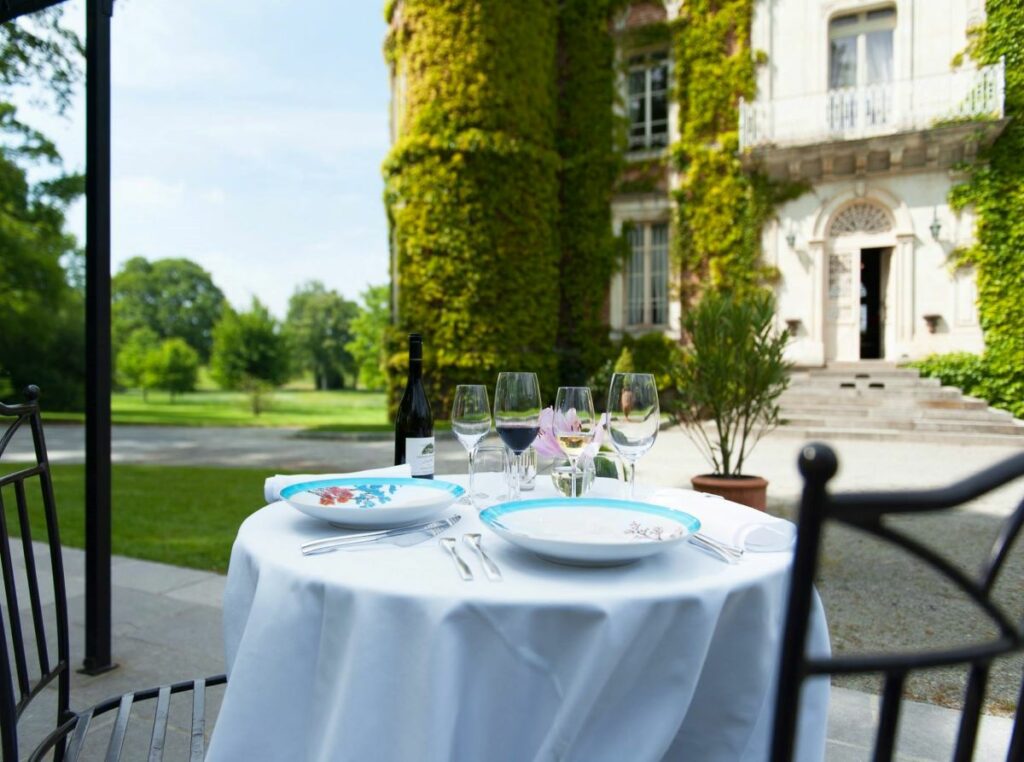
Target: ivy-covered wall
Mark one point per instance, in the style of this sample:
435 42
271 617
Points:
589 169
720 206
996 190
498 187
471 188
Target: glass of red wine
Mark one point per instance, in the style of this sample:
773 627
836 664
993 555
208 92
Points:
517 417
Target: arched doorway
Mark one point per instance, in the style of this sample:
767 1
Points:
860 244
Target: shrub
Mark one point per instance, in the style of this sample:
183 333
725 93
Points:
732 375
960 369
987 376
173 367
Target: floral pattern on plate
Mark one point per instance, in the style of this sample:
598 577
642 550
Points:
364 496
638 531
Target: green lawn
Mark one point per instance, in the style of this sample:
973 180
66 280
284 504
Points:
334 410
185 516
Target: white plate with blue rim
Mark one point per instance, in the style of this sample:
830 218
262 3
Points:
590 531
372 502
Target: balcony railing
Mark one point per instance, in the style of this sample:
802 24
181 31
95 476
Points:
881 109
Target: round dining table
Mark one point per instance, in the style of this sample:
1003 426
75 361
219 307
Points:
387 654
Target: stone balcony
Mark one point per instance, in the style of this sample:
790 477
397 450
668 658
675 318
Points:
933 122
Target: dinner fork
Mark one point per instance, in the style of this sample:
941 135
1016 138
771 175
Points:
732 550
712 548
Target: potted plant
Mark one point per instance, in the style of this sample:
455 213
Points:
728 386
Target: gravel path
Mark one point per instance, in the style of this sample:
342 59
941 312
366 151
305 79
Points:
876 598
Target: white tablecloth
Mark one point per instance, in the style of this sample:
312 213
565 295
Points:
387 655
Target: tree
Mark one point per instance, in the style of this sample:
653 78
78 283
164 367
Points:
41 314
249 353
39 49
318 330
173 367
369 327
133 357
175 298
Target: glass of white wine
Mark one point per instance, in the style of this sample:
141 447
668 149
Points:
634 417
471 420
575 423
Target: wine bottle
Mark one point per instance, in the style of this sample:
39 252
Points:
414 424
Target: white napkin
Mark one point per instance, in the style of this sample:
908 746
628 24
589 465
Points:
274 484
766 536
722 520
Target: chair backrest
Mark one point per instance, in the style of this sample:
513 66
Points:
23 675
865 511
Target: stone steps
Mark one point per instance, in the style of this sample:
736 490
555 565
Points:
889 412
908 424
894 435
878 401
848 381
893 395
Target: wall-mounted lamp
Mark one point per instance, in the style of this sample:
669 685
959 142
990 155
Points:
791 238
936 226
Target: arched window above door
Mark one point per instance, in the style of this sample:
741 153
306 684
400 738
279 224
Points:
860 217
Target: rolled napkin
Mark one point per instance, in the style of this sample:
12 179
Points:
728 522
274 484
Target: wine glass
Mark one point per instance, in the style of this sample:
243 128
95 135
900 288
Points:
517 417
633 418
574 424
471 420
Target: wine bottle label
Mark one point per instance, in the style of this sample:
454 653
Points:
419 454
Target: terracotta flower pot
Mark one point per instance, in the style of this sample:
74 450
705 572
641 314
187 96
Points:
745 490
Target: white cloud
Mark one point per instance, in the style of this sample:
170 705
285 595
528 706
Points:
144 191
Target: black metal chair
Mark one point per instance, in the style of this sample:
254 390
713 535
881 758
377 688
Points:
18 684
865 511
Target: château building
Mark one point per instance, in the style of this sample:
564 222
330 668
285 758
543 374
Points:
860 102
868 109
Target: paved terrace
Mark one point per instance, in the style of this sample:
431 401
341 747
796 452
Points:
167 619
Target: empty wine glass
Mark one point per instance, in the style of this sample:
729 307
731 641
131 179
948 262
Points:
471 420
574 423
633 418
517 417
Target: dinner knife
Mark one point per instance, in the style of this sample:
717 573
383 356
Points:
403 536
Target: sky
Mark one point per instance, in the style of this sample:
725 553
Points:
248 136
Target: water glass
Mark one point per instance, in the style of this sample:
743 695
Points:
471 420
634 418
603 465
490 469
572 480
527 468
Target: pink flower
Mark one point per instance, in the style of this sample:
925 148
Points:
595 444
546 443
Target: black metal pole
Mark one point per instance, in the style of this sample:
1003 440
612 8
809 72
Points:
97 337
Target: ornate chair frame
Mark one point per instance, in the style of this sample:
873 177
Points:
865 511
17 688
